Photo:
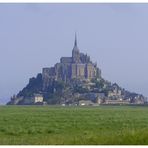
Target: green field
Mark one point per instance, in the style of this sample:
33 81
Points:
44 125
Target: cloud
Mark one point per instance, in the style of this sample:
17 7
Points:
39 8
122 7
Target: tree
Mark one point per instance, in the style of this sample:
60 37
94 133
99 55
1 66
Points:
34 86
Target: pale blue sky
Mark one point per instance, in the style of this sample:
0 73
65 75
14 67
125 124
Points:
33 36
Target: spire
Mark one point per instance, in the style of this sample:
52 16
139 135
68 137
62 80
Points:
75 44
75 48
75 51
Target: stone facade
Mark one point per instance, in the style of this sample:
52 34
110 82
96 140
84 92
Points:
37 98
86 103
79 66
108 101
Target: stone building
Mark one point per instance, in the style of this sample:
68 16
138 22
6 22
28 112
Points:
86 103
37 98
109 101
79 66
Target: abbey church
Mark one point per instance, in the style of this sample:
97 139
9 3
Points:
79 66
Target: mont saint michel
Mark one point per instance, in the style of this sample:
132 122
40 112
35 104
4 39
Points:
75 80
74 74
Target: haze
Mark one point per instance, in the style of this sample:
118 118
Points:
33 36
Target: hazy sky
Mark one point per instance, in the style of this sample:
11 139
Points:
33 36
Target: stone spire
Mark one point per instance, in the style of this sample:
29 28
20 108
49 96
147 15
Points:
75 44
75 51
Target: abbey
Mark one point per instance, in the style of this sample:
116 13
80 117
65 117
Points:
79 66
74 80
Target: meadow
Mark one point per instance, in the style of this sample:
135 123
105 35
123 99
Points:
54 125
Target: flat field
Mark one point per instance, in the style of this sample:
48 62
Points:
45 125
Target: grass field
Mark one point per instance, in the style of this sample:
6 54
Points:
44 125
